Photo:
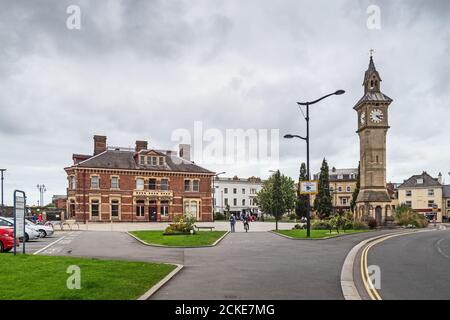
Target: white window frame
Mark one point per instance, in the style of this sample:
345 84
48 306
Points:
98 182
140 187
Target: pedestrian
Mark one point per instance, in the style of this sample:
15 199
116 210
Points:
232 222
34 218
40 218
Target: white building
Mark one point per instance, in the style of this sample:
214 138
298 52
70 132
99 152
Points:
238 193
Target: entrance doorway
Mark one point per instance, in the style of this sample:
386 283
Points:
152 211
379 215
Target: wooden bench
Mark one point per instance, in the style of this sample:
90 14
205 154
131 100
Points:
198 228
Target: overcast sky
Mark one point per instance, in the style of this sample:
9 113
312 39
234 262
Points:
142 69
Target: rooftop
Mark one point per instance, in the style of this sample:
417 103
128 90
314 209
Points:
423 180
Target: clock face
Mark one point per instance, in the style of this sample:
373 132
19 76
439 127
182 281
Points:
363 118
376 116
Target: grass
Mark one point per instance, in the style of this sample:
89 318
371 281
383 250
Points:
29 277
201 238
316 234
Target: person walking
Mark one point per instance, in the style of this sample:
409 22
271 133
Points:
232 222
40 218
34 218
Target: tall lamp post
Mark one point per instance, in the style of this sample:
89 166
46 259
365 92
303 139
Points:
214 191
290 136
42 188
2 170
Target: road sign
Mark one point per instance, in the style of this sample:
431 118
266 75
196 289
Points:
309 187
19 217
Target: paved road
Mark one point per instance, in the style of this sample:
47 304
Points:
254 265
34 245
414 266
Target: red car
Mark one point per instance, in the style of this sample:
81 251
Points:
7 239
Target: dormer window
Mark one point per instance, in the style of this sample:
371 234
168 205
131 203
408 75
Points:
419 181
142 160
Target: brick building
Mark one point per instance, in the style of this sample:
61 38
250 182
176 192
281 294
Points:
139 184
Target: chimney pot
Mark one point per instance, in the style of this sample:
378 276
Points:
185 151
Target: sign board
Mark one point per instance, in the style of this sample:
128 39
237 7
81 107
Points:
19 217
309 187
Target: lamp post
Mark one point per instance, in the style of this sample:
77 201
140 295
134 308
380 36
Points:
42 188
214 191
290 136
2 170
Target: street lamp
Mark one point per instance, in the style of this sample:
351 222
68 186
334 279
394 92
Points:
291 136
42 188
2 170
214 191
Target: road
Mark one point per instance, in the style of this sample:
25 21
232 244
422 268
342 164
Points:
254 265
415 266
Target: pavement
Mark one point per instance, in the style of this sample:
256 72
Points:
414 266
33 246
254 265
218 225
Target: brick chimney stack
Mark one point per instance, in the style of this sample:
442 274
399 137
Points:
141 145
99 144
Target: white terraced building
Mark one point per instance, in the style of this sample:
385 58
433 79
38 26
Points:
238 193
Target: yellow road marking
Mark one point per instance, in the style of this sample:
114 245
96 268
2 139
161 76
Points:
371 290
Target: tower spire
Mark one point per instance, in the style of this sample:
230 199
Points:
371 63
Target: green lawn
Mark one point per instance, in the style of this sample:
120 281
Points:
315 234
201 238
28 277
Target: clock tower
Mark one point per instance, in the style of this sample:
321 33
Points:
373 199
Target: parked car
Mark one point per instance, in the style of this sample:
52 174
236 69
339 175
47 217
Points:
7 239
30 234
43 230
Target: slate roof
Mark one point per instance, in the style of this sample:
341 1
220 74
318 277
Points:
374 97
428 181
446 191
119 159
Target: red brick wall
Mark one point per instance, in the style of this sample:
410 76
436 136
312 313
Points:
127 183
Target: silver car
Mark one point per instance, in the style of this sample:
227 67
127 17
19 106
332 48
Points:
44 230
30 234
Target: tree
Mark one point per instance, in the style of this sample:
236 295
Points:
277 196
301 206
356 191
322 203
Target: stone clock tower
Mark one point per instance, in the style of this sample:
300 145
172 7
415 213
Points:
373 199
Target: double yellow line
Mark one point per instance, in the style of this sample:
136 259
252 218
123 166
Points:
371 290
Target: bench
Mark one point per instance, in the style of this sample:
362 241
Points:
198 228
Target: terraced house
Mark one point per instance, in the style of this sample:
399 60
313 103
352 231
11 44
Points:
140 184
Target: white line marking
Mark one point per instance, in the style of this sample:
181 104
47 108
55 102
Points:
438 247
48 246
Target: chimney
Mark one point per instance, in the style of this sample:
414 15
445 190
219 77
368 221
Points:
141 145
440 178
185 151
99 144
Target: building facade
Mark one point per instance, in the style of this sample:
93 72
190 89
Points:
140 184
237 193
446 203
424 194
372 109
342 185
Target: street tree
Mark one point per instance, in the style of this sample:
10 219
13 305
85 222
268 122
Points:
277 196
322 203
356 191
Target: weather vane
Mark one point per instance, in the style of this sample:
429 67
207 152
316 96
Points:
371 51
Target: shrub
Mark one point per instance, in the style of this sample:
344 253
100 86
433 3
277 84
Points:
292 216
360 225
219 216
406 217
320 225
183 224
372 223
348 225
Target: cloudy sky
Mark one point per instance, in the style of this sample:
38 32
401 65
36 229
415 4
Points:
142 69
